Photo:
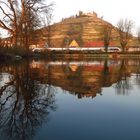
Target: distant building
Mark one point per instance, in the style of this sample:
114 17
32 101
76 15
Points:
90 14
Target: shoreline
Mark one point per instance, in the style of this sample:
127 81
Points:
70 56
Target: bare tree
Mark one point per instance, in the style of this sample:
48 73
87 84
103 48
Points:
31 18
124 29
21 19
107 35
9 20
138 35
48 20
0 39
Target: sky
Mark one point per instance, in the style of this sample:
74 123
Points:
111 10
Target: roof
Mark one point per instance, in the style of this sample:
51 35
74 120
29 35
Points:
97 44
74 44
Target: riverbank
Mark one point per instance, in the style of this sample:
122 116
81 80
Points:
69 56
92 55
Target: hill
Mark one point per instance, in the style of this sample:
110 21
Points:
85 28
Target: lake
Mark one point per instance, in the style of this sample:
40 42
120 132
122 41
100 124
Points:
70 100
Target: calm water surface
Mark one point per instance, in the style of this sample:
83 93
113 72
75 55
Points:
70 100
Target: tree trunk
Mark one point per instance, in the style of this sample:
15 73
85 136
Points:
106 48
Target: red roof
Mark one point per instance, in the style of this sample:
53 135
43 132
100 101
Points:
97 44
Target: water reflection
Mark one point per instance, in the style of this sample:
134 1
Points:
25 102
86 79
27 90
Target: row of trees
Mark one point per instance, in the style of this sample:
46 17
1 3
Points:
124 27
22 17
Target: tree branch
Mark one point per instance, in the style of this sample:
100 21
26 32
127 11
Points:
7 15
3 25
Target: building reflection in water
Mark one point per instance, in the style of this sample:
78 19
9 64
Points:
84 79
27 90
87 78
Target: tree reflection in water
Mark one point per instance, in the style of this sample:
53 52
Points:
24 103
26 97
123 85
138 74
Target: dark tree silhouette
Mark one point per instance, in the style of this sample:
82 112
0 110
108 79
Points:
107 35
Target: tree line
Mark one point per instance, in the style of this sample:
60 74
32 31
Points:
124 28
